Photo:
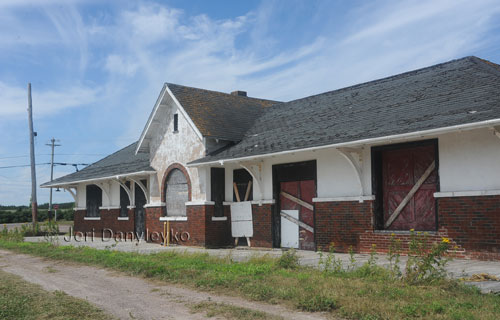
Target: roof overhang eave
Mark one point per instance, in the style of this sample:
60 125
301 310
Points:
117 176
403 136
150 119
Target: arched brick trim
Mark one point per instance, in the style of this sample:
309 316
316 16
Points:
165 176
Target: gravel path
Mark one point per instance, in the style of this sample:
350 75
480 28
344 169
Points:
124 296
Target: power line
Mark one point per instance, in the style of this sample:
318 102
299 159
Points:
47 163
57 154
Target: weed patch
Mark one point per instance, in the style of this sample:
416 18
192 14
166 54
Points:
368 292
22 300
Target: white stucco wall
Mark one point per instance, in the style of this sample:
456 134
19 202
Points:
335 176
182 147
81 196
113 191
469 161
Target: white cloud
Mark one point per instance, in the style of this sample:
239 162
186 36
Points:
14 101
137 46
117 64
152 22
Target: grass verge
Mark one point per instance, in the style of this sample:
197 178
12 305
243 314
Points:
226 311
20 299
360 294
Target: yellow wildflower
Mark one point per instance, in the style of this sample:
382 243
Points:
446 240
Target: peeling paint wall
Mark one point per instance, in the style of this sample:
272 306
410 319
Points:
181 147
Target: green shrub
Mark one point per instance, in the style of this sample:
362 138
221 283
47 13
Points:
425 263
11 235
288 260
330 264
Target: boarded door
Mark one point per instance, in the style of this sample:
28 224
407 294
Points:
401 170
302 193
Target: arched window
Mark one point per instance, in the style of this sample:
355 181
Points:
94 200
176 193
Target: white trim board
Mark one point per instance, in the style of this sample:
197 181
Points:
259 202
341 199
178 218
122 175
92 218
200 203
109 208
452 194
154 205
358 143
219 218
151 116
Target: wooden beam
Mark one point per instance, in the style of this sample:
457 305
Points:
410 194
297 200
235 188
249 187
297 222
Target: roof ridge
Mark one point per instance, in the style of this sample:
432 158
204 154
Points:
486 64
388 78
220 92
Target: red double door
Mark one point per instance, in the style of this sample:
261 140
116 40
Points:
305 191
401 169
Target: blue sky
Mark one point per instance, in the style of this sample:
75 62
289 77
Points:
97 67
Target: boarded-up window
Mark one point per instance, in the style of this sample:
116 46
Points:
176 193
241 177
94 200
217 189
124 201
176 122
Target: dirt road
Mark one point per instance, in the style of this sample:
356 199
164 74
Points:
124 296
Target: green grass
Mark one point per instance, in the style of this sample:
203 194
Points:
20 299
213 309
361 294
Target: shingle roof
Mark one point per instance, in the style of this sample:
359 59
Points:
458 92
217 114
123 161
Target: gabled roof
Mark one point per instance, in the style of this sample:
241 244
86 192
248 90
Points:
122 162
459 92
211 113
217 114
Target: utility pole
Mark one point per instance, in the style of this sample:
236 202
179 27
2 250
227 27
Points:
34 206
52 144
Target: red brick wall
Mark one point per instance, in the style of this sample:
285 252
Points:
218 233
262 226
382 240
109 220
471 223
342 223
199 225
